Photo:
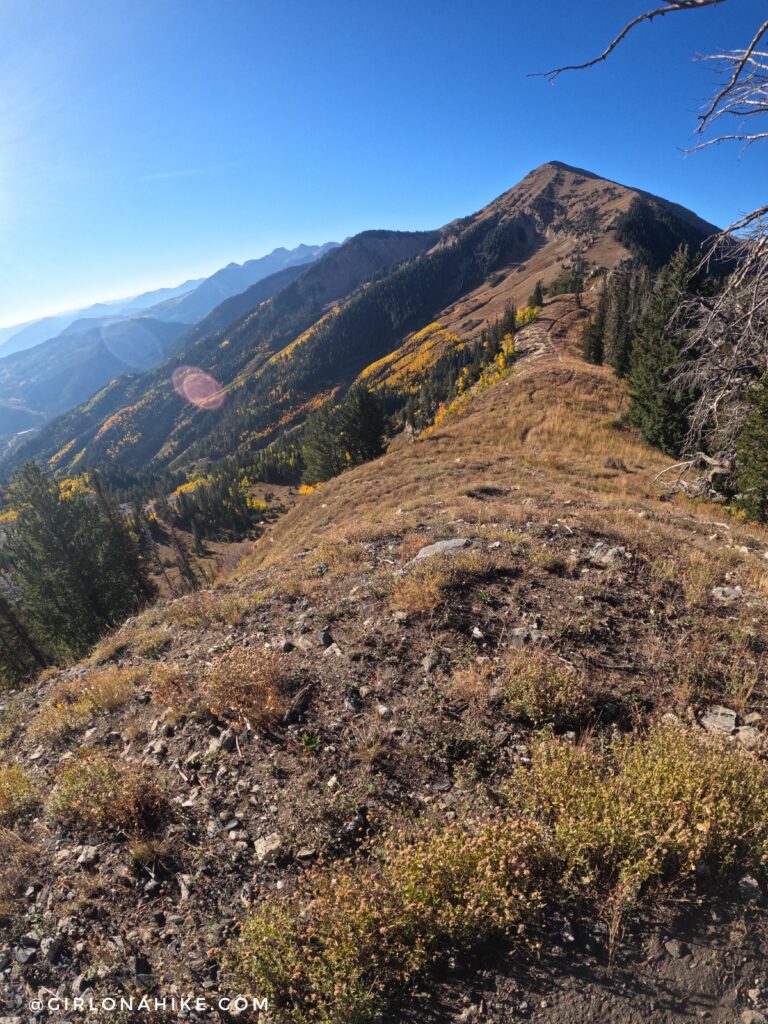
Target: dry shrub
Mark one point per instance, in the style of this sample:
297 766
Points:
207 608
248 684
425 585
544 691
471 683
604 823
73 703
171 686
11 719
18 793
16 860
95 792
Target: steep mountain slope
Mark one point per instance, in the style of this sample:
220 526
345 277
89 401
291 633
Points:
138 419
276 365
406 702
41 382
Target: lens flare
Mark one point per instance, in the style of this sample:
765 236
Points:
198 388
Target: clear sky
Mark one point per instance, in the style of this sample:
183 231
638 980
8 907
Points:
146 141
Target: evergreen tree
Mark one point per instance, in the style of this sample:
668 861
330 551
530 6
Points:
362 425
536 298
127 547
68 560
321 445
592 335
657 408
752 457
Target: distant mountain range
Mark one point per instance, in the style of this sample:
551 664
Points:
52 364
279 348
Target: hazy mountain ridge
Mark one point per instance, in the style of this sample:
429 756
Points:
45 378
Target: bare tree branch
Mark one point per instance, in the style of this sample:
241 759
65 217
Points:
670 7
739 65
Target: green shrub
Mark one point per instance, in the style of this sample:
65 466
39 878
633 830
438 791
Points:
18 793
352 936
95 792
601 821
544 691
649 808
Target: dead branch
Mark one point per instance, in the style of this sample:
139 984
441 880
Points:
670 7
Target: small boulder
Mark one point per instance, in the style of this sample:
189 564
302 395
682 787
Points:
749 889
268 847
604 555
89 856
442 547
677 949
719 719
727 595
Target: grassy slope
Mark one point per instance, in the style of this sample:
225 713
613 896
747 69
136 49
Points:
409 715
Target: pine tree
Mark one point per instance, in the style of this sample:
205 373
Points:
126 546
362 424
536 298
67 558
592 335
752 457
321 447
657 408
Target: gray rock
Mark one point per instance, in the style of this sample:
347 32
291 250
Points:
523 635
752 1017
749 889
51 948
24 955
727 594
477 633
324 637
384 712
442 547
719 719
89 856
748 737
603 555
677 949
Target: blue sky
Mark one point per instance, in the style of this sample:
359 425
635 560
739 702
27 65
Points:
146 141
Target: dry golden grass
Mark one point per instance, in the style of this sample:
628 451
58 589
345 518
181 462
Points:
247 684
17 858
73 703
369 744
425 585
206 608
471 683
